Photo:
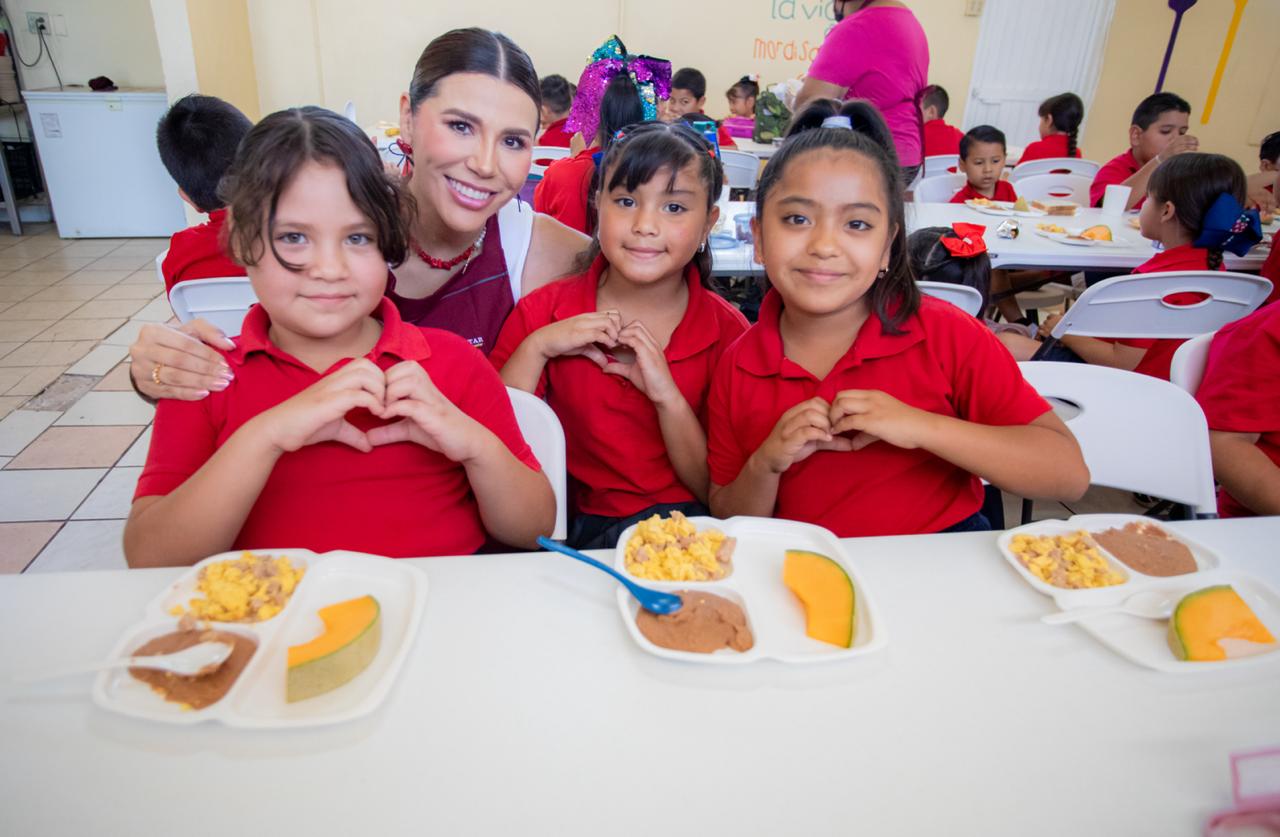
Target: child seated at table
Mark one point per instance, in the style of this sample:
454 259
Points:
688 97
197 139
853 402
624 350
557 99
1268 171
939 137
1194 202
343 427
1241 401
1158 132
741 121
982 156
1060 118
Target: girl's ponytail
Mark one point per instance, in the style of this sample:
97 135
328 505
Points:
1213 260
1067 112
1072 148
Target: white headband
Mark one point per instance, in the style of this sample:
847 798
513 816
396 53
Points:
838 122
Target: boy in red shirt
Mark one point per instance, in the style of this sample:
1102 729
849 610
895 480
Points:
557 99
342 427
982 154
197 139
939 137
688 97
1158 132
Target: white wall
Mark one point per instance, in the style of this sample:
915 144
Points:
113 38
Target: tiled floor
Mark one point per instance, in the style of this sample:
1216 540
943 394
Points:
73 435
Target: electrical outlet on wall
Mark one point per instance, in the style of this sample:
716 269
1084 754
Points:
35 20
973 8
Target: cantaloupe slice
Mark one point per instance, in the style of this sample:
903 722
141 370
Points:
1099 232
1206 616
352 635
826 591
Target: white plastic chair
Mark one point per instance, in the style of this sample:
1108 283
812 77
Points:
940 164
1055 187
1187 369
741 170
541 428
159 262
1137 433
967 299
938 189
1054 165
1134 306
223 302
544 156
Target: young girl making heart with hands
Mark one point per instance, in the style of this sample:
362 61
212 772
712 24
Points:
344 427
855 403
625 350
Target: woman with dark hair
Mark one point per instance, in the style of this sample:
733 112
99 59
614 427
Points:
468 124
876 51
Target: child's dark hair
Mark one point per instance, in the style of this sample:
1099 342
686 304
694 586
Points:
743 88
894 296
646 150
935 95
275 150
197 139
473 50
557 93
980 133
1270 148
1067 111
931 261
620 106
1150 108
690 79
1193 181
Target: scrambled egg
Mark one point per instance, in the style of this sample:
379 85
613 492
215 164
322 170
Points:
1070 561
1056 229
251 588
673 549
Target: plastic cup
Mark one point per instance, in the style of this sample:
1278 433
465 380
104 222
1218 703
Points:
1115 199
742 227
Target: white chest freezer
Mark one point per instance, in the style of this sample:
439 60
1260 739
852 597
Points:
101 167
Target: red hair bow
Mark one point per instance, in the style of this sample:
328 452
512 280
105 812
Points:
968 241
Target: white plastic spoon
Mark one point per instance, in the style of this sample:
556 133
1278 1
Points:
1149 604
202 658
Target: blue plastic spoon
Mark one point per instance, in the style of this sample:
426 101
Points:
653 601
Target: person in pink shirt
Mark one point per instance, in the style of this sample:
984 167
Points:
877 52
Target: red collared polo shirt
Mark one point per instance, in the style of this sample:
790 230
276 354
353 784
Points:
1051 147
399 500
1003 192
197 253
944 361
941 138
1117 170
1159 357
616 454
556 136
565 188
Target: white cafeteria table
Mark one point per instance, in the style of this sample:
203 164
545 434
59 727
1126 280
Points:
1028 250
525 708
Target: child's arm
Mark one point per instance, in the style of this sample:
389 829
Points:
801 431
682 433
202 516
574 336
1257 190
1245 472
1095 351
1038 460
516 502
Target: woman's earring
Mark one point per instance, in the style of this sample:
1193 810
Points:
702 248
405 148
884 271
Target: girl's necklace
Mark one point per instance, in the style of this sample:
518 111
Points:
445 264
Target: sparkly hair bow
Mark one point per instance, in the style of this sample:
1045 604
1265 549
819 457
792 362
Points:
652 76
1229 226
968 241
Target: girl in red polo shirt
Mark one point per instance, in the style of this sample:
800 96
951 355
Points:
1193 201
339 426
1060 118
624 351
854 403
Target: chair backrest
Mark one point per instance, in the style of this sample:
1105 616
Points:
1054 165
223 302
1055 187
967 299
541 428
741 170
1137 433
940 164
1137 306
545 155
1187 369
160 263
939 189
